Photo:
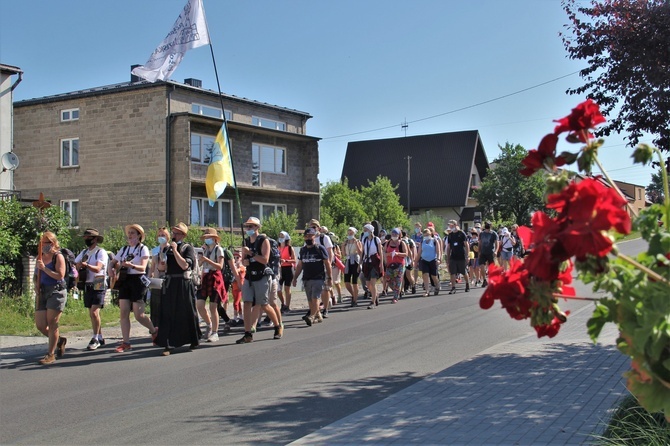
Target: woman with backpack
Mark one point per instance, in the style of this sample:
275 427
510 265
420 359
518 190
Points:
52 295
287 264
212 286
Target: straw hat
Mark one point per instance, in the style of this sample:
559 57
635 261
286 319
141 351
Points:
181 227
138 228
210 232
253 221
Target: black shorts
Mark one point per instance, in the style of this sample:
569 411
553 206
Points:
133 289
488 258
428 267
457 266
286 278
93 297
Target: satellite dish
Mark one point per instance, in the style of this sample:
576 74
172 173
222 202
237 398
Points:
9 161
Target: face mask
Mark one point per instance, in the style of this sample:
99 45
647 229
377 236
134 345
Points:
88 241
281 240
209 241
427 238
366 234
394 238
350 237
309 242
46 248
474 239
417 230
162 240
250 232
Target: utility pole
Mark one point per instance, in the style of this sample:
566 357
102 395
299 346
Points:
409 159
404 126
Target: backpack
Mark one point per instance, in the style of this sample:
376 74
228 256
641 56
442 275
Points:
70 268
196 268
228 276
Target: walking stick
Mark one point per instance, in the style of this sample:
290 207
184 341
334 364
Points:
41 204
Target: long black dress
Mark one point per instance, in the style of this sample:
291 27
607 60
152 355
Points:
178 319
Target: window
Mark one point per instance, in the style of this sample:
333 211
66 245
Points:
219 215
69 115
69 152
268 123
266 159
201 148
72 208
214 112
639 194
473 181
265 210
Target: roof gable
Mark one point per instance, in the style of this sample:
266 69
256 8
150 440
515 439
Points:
440 166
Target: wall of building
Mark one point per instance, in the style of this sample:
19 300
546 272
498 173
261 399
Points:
6 82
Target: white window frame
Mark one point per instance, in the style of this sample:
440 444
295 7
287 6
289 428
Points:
202 159
203 201
71 207
199 109
268 123
259 148
70 156
67 115
261 205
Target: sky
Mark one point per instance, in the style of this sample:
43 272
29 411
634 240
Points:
361 68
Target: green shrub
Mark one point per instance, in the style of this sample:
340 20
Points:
633 425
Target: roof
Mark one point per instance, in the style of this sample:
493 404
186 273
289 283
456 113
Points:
126 86
440 166
10 69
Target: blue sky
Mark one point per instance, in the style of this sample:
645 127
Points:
355 65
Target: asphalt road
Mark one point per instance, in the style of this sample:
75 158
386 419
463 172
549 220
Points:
268 392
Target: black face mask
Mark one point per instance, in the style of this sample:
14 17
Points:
89 242
309 242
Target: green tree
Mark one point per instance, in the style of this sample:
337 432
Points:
280 221
381 203
505 194
342 205
655 188
625 43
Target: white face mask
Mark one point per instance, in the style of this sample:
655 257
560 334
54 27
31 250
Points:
281 240
394 238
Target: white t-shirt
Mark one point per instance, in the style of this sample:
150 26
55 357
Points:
139 252
94 257
213 254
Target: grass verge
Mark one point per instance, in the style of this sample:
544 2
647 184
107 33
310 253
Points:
633 425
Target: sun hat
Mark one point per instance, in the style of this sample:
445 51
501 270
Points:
253 221
352 229
181 227
369 228
285 235
90 232
210 232
138 228
314 222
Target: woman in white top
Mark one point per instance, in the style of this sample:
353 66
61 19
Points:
212 287
351 254
131 263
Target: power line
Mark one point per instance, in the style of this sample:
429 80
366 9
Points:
456 110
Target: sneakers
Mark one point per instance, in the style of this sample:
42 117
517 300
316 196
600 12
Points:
279 331
124 347
48 359
318 317
395 301
308 320
324 315
485 284
60 347
94 344
246 339
213 337
101 341
226 328
437 291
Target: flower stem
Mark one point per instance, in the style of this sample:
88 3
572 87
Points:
666 188
652 274
613 184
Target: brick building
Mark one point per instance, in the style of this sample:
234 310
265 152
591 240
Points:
136 152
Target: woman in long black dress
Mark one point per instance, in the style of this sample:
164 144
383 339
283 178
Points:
178 320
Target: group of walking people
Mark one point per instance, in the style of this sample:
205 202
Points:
181 279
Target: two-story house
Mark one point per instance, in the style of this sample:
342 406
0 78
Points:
136 152
434 173
8 82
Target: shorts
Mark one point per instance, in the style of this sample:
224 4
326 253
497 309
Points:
352 275
506 255
286 276
257 292
93 297
429 267
132 289
336 275
272 292
313 288
486 259
457 266
52 297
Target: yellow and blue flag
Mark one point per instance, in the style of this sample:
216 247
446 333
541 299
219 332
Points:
220 170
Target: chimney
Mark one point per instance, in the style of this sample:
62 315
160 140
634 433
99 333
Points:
134 78
193 82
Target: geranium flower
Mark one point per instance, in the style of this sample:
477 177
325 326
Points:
510 288
550 329
544 155
582 118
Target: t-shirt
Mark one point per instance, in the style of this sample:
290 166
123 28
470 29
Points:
214 253
312 258
456 241
94 256
138 252
487 241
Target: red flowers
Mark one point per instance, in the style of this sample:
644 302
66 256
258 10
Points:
583 117
544 155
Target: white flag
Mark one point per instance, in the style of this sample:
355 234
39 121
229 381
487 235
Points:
189 31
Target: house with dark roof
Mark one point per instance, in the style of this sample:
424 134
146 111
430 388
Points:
435 173
137 152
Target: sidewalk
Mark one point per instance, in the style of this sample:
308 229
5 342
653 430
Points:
523 392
